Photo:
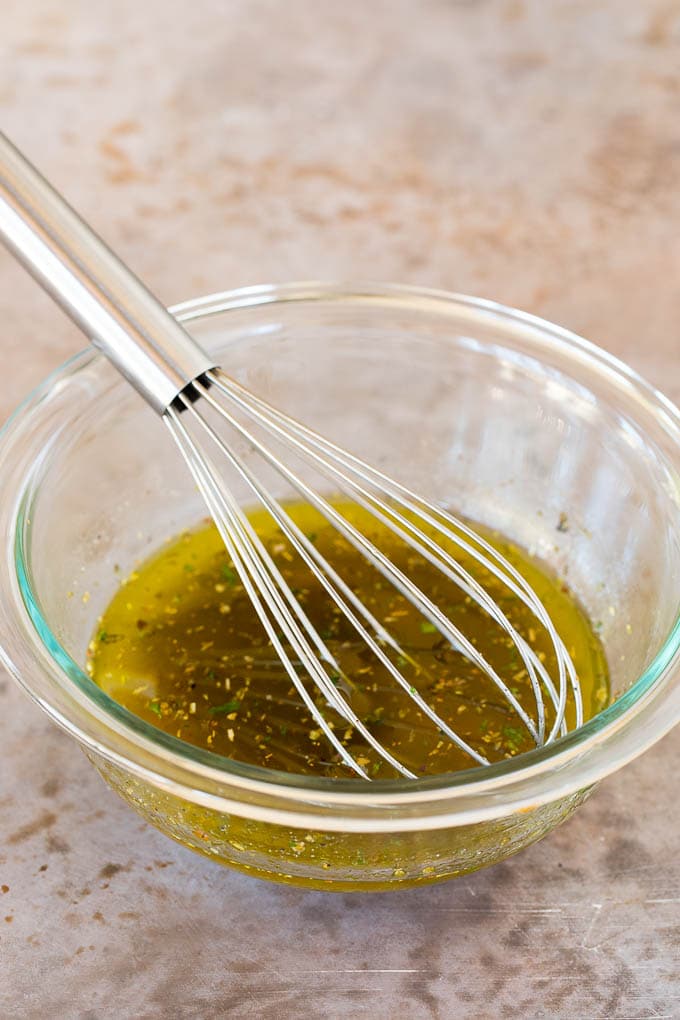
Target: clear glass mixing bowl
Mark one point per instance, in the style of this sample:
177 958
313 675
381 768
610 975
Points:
510 420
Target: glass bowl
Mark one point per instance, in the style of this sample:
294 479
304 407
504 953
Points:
510 420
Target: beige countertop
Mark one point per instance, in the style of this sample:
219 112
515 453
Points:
515 149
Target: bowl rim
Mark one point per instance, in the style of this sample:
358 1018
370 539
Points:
639 717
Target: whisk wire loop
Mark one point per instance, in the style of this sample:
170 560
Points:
401 512
401 582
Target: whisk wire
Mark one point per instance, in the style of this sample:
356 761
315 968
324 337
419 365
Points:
322 570
388 569
405 585
309 443
278 607
249 555
217 504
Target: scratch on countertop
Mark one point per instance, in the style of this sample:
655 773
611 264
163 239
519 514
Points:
364 970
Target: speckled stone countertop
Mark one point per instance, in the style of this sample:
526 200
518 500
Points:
516 149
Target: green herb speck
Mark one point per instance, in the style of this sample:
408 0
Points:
109 639
229 575
513 737
229 706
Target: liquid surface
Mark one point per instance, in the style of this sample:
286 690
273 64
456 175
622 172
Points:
181 647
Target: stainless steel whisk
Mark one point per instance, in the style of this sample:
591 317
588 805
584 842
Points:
177 378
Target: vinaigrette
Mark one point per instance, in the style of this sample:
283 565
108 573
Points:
181 647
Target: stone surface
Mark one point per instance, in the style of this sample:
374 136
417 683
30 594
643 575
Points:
516 149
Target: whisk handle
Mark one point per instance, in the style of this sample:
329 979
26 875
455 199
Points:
103 297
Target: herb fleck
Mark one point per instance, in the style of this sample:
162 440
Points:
229 575
228 706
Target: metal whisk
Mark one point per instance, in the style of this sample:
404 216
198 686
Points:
192 395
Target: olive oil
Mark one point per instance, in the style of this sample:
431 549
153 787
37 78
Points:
181 646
